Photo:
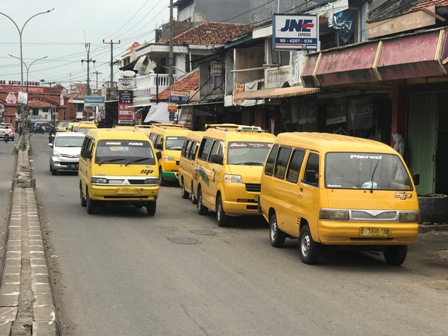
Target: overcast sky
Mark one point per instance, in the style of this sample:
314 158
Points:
62 34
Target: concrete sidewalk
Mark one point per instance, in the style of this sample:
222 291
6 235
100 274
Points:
26 299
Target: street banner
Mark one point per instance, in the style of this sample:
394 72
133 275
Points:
127 83
22 97
179 97
125 96
292 32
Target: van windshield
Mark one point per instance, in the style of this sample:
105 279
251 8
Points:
124 152
68 141
366 171
174 142
248 153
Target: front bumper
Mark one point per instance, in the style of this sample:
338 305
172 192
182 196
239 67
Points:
123 193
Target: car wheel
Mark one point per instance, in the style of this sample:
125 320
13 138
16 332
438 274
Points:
151 208
90 204
202 210
194 200
309 249
276 236
183 192
53 171
81 196
162 179
395 255
223 219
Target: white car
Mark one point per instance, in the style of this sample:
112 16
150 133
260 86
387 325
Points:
6 129
66 148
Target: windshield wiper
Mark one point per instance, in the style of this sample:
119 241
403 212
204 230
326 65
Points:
373 174
110 160
136 160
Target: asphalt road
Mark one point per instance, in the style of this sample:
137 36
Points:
120 272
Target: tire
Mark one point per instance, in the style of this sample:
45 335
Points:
395 255
162 180
308 248
81 196
223 219
202 210
194 200
90 204
151 208
276 236
53 171
183 192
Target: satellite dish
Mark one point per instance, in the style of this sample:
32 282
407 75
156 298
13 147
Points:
128 73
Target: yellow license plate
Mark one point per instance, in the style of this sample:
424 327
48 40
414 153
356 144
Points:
374 232
128 191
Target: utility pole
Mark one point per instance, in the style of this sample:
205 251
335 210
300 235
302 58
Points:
111 61
88 60
96 73
171 58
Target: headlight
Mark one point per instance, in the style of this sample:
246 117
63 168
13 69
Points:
334 214
233 178
56 154
99 180
409 216
168 158
152 181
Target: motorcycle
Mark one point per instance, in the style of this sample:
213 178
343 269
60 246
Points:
50 138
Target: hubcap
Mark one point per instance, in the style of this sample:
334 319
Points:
273 230
305 246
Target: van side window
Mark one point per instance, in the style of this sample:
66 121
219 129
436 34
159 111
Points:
85 147
193 150
282 162
312 170
269 167
214 149
206 145
185 148
295 165
153 137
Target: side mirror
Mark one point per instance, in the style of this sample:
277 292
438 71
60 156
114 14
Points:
50 145
159 146
416 179
88 154
159 155
216 158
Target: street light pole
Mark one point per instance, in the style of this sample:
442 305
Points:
20 38
28 67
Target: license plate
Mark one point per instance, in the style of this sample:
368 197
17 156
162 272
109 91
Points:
73 166
374 232
128 191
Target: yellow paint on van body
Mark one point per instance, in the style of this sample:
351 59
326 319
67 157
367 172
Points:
363 194
187 163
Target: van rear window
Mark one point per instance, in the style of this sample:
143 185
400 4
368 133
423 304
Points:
124 152
366 171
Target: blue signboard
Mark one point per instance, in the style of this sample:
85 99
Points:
294 32
93 101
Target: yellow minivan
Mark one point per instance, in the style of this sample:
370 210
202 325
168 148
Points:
84 126
331 189
168 140
187 163
228 170
118 167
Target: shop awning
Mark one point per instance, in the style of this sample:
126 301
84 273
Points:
158 113
277 93
420 55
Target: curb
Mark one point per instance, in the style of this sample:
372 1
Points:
26 298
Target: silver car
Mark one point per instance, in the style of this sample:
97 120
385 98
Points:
65 151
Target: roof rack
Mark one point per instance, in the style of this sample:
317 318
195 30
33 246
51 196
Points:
244 128
223 127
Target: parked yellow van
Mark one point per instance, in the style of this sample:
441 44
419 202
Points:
84 126
168 140
228 170
72 126
331 189
118 167
187 163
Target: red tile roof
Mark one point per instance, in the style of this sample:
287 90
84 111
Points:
209 32
188 83
427 3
